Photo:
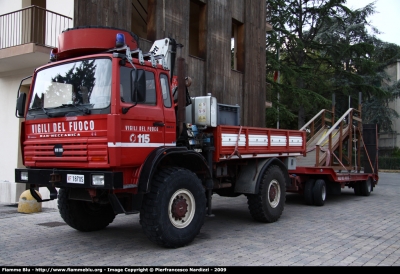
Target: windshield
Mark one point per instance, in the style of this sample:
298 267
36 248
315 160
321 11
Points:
80 85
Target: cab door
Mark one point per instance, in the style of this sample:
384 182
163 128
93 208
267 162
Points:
143 126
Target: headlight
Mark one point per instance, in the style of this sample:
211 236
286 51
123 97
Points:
24 175
98 180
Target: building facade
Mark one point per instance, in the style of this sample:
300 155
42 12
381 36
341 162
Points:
388 141
28 31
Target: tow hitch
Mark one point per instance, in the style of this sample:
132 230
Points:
53 194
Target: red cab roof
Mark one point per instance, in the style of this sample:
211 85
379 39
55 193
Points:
89 40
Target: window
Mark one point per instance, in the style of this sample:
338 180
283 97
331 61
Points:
126 89
165 90
125 84
237 45
197 29
143 18
85 83
151 97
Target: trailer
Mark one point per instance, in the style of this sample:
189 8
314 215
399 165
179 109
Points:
342 153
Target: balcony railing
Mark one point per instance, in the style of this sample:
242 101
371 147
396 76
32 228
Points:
32 25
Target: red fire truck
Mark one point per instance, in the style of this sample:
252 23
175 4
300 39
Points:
109 130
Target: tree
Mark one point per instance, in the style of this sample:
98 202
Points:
79 76
376 109
352 49
305 72
325 49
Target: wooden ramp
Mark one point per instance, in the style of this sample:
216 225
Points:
320 137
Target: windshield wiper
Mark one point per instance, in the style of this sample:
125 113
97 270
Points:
45 112
43 109
83 109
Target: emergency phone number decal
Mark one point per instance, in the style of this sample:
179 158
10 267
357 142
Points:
140 138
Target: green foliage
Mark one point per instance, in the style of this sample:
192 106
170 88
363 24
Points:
305 85
376 111
396 152
391 163
78 76
323 48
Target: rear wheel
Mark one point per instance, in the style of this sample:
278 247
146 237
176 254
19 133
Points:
319 192
173 211
82 215
267 206
308 191
365 187
357 188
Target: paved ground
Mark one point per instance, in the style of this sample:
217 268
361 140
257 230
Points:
347 231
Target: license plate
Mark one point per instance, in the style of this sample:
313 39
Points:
75 179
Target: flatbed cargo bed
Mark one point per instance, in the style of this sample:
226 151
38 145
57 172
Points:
252 142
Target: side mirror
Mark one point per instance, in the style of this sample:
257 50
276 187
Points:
21 100
20 110
139 86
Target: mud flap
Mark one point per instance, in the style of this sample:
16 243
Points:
119 208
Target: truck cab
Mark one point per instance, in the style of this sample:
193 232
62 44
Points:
91 107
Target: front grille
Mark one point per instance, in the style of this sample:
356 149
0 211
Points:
73 151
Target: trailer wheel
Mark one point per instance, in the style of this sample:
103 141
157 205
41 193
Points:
365 187
267 206
319 192
308 192
84 216
173 212
357 189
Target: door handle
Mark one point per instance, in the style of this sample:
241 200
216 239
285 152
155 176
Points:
158 124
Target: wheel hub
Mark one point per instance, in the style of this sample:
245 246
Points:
179 207
272 193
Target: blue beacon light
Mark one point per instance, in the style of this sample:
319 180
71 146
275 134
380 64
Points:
53 55
120 40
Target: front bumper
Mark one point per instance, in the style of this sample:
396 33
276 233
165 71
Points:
58 178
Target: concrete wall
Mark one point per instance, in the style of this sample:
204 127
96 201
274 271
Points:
7 6
9 139
64 7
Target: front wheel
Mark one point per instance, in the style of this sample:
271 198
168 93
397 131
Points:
82 215
267 206
173 211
